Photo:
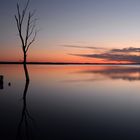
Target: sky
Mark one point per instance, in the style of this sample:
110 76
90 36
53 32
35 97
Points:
75 31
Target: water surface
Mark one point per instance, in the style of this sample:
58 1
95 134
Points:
70 102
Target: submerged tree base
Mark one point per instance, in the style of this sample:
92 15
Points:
26 72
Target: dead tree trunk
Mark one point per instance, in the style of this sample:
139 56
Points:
26 24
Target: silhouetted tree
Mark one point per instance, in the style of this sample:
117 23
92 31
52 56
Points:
26 25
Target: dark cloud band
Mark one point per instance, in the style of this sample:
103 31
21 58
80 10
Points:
116 55
125 50
112 57
83 47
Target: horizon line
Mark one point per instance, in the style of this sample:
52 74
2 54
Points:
66 63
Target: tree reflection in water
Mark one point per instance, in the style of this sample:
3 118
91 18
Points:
24 127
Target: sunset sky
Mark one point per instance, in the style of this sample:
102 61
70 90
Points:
75 31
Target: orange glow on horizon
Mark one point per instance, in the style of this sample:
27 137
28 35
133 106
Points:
53 56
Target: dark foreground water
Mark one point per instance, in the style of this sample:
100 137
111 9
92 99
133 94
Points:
70 103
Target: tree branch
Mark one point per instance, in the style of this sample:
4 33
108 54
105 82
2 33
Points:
17 22
27 29
19 16
32 27
24 11
31 41
19 31
29 26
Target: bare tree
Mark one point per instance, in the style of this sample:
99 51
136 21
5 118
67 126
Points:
26 25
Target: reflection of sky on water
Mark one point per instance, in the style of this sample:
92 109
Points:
130 73
61 109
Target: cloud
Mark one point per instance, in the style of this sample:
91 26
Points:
83 47
112 57
115 55
126 50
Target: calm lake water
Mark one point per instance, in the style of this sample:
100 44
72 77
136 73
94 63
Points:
70 102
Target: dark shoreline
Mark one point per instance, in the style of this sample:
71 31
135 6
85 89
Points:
61 63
